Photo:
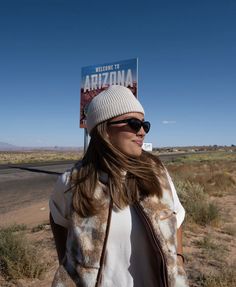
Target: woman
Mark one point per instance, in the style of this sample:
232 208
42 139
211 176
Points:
115 216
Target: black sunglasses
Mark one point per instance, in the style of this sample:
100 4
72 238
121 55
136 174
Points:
134 123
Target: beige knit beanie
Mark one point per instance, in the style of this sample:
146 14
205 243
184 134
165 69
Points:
114 101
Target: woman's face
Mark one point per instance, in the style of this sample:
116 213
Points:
124 138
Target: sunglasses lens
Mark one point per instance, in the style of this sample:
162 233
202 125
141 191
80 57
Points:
146 126
136 125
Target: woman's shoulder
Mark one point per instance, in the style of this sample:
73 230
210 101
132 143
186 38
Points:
64 181
62 195
64 178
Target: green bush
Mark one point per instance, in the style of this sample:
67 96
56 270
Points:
18 257
196 203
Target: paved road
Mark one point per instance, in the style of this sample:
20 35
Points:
19 188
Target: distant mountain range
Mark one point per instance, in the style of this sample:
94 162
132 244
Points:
9 147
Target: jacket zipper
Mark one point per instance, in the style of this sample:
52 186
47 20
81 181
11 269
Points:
99 276
156 241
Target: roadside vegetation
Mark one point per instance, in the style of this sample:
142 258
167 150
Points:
19 157
206 157
19 257
199 208
206 184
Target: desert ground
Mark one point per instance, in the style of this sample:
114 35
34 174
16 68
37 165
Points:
206 184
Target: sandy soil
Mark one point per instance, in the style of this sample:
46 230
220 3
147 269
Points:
32 215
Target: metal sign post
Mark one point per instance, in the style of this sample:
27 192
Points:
85 140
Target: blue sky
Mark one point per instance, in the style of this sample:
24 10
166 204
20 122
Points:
187 67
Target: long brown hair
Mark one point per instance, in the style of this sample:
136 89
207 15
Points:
129 179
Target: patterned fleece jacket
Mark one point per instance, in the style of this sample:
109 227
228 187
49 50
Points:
87 237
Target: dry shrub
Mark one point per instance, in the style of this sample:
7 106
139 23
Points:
39 227
221 182
217 177
198 207
18 157
19 258
230 229
225 278
212 249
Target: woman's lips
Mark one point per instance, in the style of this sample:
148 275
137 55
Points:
140 143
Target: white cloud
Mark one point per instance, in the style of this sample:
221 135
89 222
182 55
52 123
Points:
168 122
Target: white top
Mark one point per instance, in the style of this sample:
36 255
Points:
129 259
